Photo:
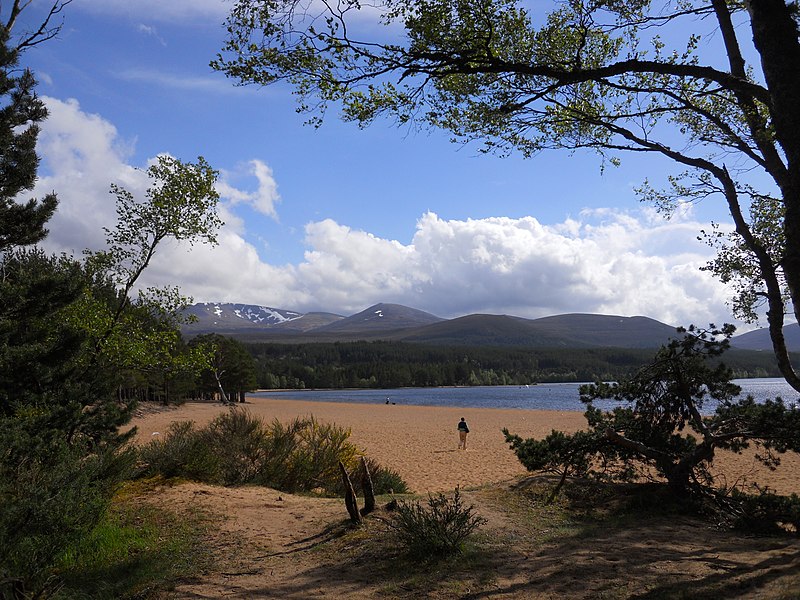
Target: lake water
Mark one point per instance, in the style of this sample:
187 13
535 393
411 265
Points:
544 396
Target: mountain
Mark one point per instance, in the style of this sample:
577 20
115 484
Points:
481 330
760 340
607 330
562 331
228 318
381 317
309 322
395 322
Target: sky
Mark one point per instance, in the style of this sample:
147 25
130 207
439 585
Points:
338 218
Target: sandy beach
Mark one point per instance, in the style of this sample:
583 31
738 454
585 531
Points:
421 442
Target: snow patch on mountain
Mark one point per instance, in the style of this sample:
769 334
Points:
259 315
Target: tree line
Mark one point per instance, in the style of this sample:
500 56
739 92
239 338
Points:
383 364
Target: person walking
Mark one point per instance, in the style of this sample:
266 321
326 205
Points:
463 430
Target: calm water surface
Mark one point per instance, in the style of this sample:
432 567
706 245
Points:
544 396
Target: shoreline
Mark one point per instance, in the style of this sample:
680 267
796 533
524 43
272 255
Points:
421 442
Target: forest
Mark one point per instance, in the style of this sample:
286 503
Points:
381 364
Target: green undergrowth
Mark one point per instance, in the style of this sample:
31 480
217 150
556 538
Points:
136 551
238 448
371 552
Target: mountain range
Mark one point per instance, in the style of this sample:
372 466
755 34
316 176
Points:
400 323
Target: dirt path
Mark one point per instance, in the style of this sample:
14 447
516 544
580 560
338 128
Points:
268 544
259 538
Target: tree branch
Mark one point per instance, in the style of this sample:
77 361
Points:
46 31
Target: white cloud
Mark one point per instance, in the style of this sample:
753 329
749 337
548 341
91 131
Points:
152 32
263 199
605 261
82 155
179 11
211 84
368 16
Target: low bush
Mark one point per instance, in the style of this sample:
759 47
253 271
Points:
52 495
238 448
763 513
182 451
238 441
438 529
384 480
304 455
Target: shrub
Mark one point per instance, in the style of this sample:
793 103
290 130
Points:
237 448
280 444
237 440
181 452
51 494
763 513
438 529
384 480
304 455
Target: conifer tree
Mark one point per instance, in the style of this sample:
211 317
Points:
21 113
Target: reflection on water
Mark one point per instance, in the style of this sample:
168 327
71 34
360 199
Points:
545 396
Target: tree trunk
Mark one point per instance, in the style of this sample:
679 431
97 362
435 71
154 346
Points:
776 40
219 385
559 485
369 490
678 481
349 496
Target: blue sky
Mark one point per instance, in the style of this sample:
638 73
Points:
338 218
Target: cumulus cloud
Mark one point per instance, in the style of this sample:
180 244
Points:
602 261
520 267
82 154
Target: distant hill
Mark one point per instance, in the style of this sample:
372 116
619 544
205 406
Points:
232 319
381 317
482 330
760 340
607 330
563 331
309 321
395 322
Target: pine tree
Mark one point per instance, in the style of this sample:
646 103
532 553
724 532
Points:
20 224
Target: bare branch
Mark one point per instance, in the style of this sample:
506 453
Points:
47 29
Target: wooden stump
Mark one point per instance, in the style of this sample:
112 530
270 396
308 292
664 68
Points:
349 496
369 490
